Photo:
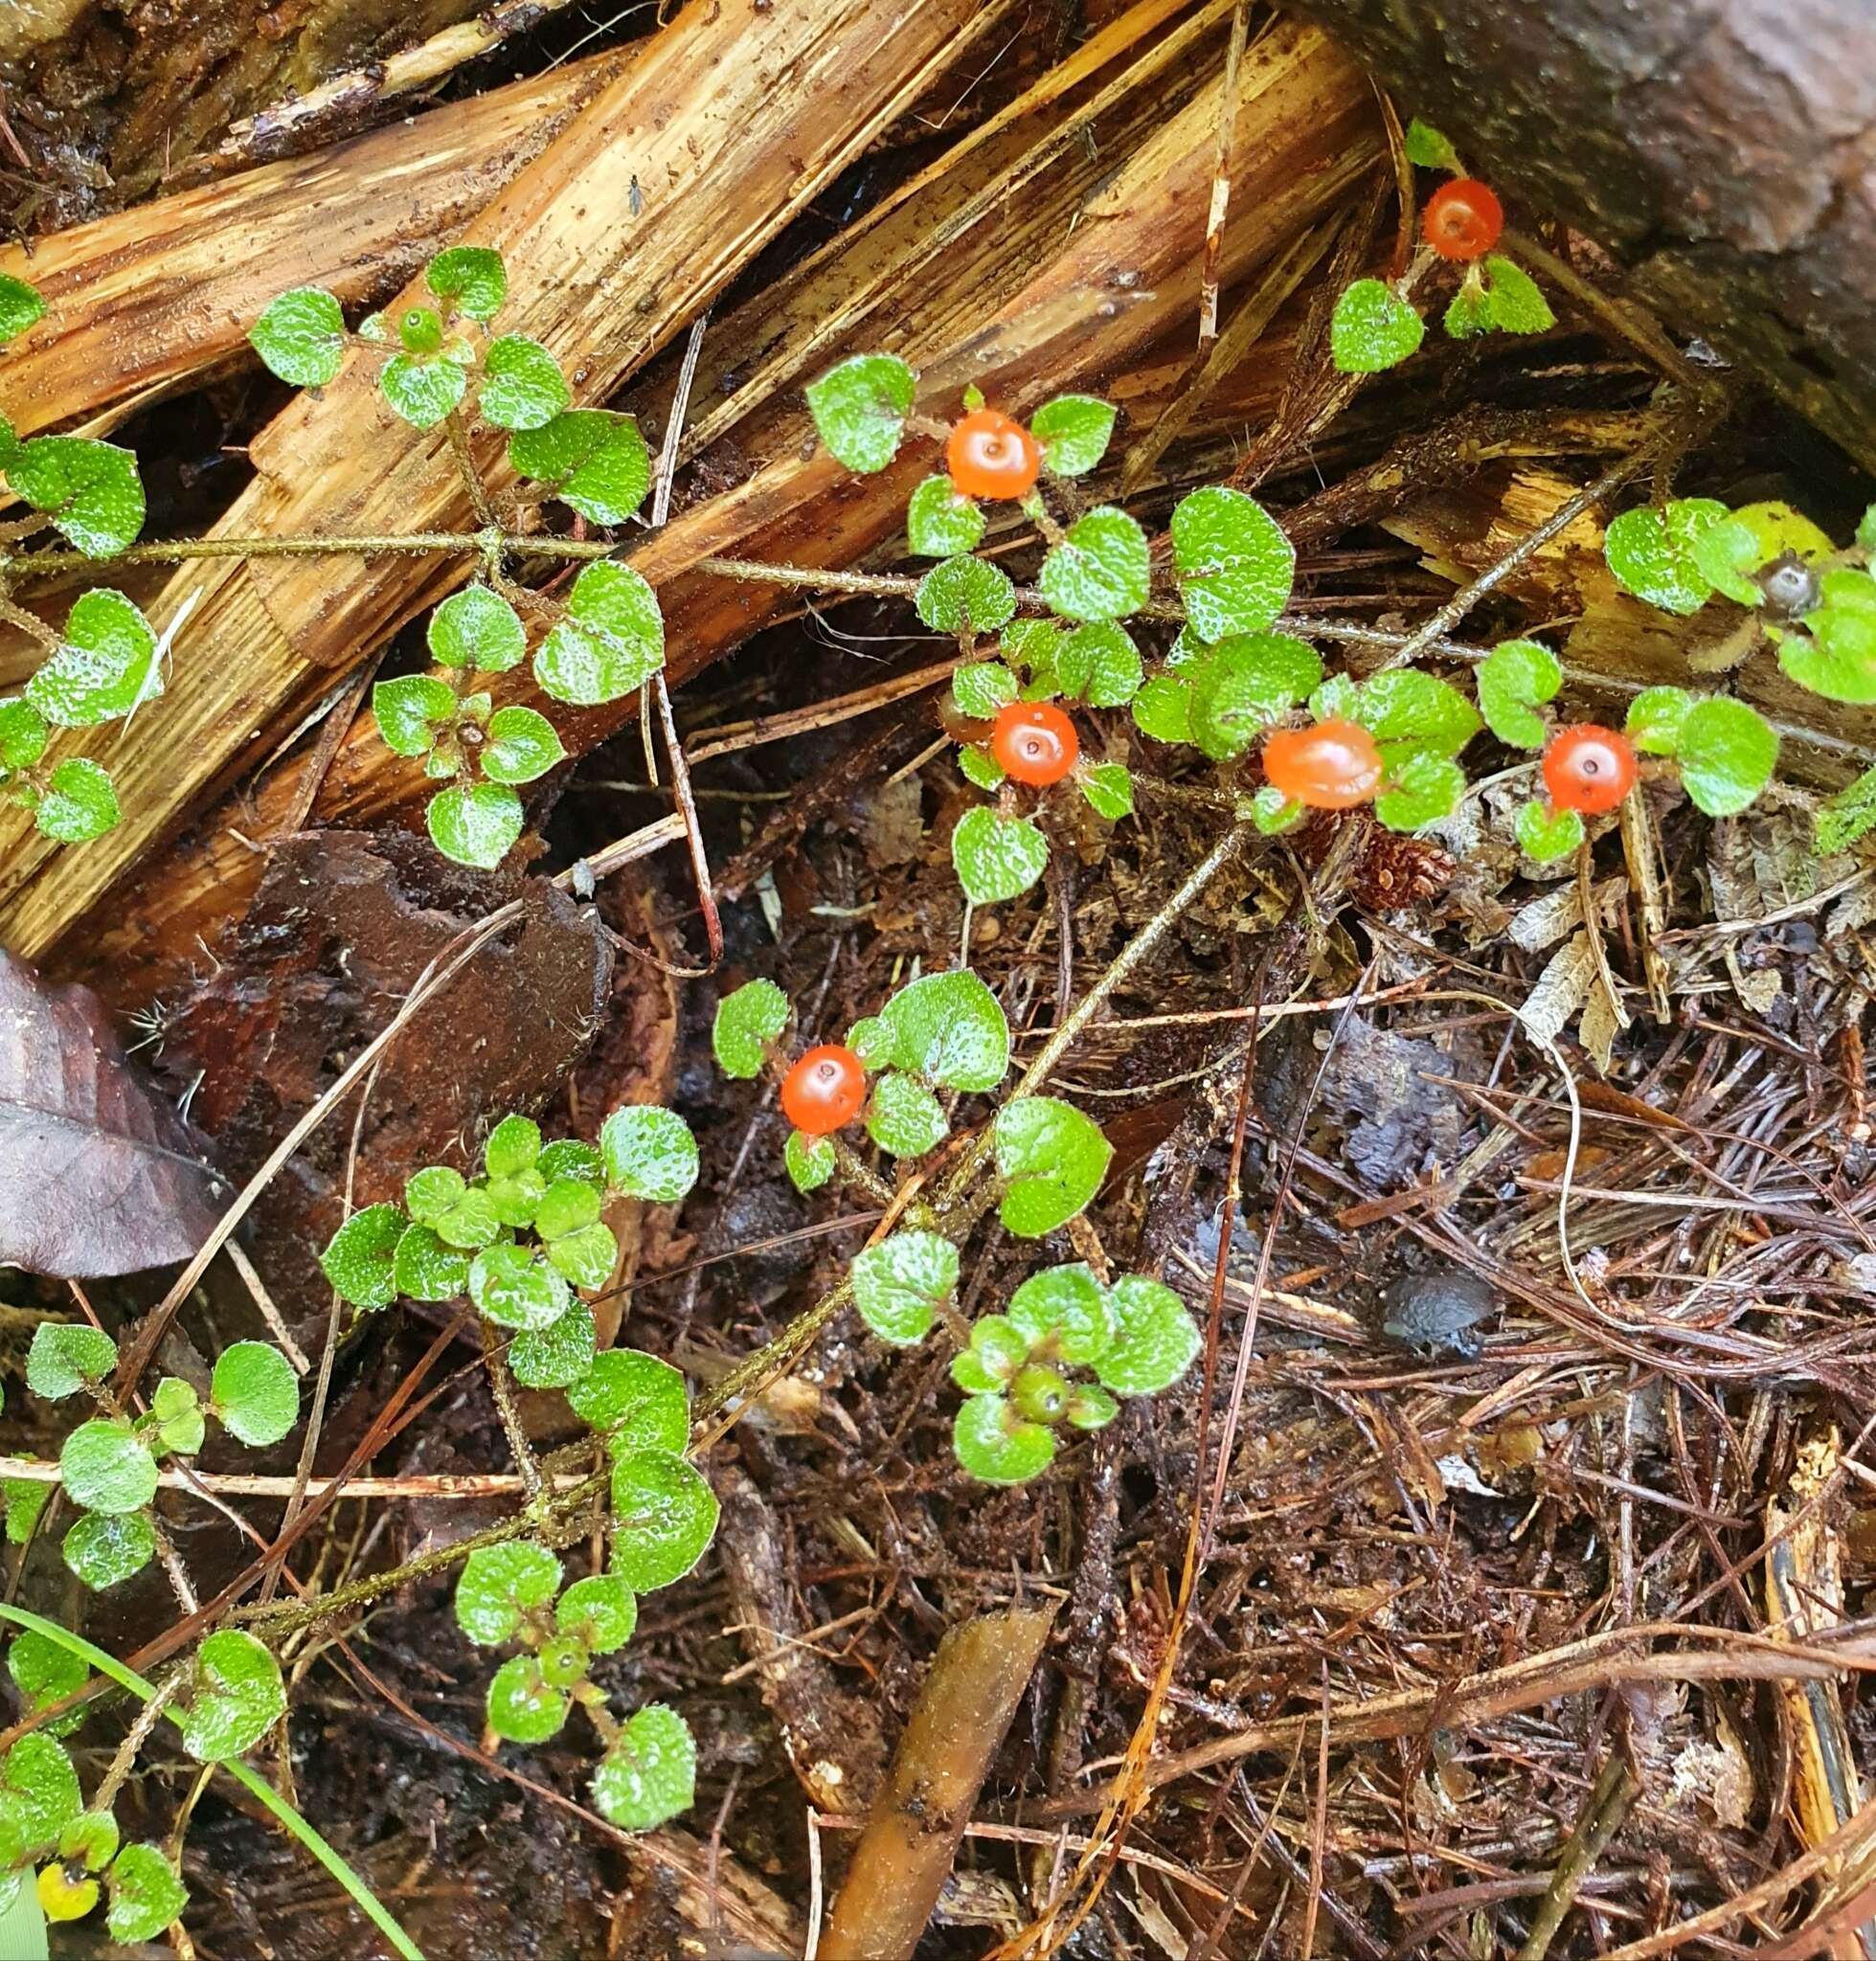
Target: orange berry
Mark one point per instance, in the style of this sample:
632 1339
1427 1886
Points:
1332 766
1035 742
991 455
1463 219
825 1091
1589 769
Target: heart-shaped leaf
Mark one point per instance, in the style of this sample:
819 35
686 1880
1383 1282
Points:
611 641
1373 329
146 1896
359 1258
940 521
409 709
1100 571
996 857
66 1357
1156 1339
238 1698
521 746
1235 565
649 1153
105 1468
996 1445
900 1284
105 1552
859 407
423 390
107 665
1051 1159
1545 834
1064 1315
1514 677
596 461
522 386
904 1119
78 803
515 1290
254 1392
663 1516
649 1773
965 595
634 1400
1072 433
948 1028
301 337
90 490
501 1583
477 628
475 823
749 1022
557 1357
472 275
1727 753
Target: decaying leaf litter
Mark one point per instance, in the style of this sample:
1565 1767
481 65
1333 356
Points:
1557 1635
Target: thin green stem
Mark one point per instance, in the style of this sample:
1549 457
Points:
363 1898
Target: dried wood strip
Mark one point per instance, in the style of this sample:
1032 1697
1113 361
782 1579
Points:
1101 292
672 179
150 298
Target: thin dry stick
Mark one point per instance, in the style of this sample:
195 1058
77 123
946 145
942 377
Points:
277 1327
1221 177
1603 1812
255 1485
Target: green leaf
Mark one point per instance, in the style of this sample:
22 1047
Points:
79 804
596 461
424 1269
1063 1314
1051 1159
980 767
523 1706
996 857
1544 834
67 1355
904 1119
1423 788
25 1499
941 521
146 1896
965 594
301 337
1512 678
1245 683
649 1773
1090 1409
859 407
105 667
568 1206
997 1351
982 689
522 386
1099 665
105 1469
634 1400
1235 565
1158 1340
599 1611
1654 717
422 391
475 823
663 1516
1727 753
1162 709
1109 788
1100 571
45 1671
1838 660
359 1257
254 1392
1372 328
407 709
948 1028
477 628
175 1420
39 1792
513 1146
900 1284
103 1551
1847 816
569 1158
91 1837
1408 709
514 1290
809 1161
1722 554
90 490
464 1215
649 1153
1513 302
1469 312
556 1357
1651 552
239 1697
420 331
748 1022
522 746
473 277
23 735
996 1446
501 1583
21 306
611 641
1072 432
1273 812
1430 150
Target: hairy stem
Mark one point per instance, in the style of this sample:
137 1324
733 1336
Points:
501 1385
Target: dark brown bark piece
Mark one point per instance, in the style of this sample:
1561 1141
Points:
1724 151
96 1174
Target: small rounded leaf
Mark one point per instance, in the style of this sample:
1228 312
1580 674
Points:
422 391
998 1349
475 823
523 1706
1512 678
1051 1159
601 1612
407 709
996 857
859 407
1072 432
301 337
1727 753
611 641
1063 1314
1100 571
1373 329
105 667
501 1583
21 306
477 628
748 1021
1421 790
982 689
146 1895
809 1161
522 745
1654 717
663 1517
472 275
1235 565
80 803
254 1392
45 1670
89 489
965 595
941 522
1158 1339
555 1358
595 460
65 1357
513 1289
1544 834
103 1551
1651 551
39 1792
635 1400
105 1468
239 1697
1513 300
650 1774
649 1153
900 1284
948 1028
1109 789
996 1446
24 733
522 386
424 1269
904 1119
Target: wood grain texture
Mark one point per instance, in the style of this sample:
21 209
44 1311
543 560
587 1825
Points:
660 190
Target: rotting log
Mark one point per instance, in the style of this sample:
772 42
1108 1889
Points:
1723 152
170 288
1098 263
721 129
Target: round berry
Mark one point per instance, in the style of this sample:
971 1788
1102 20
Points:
989 455
1589 769
1034 743
823 1092
1040 1393
1463 219
1332 766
